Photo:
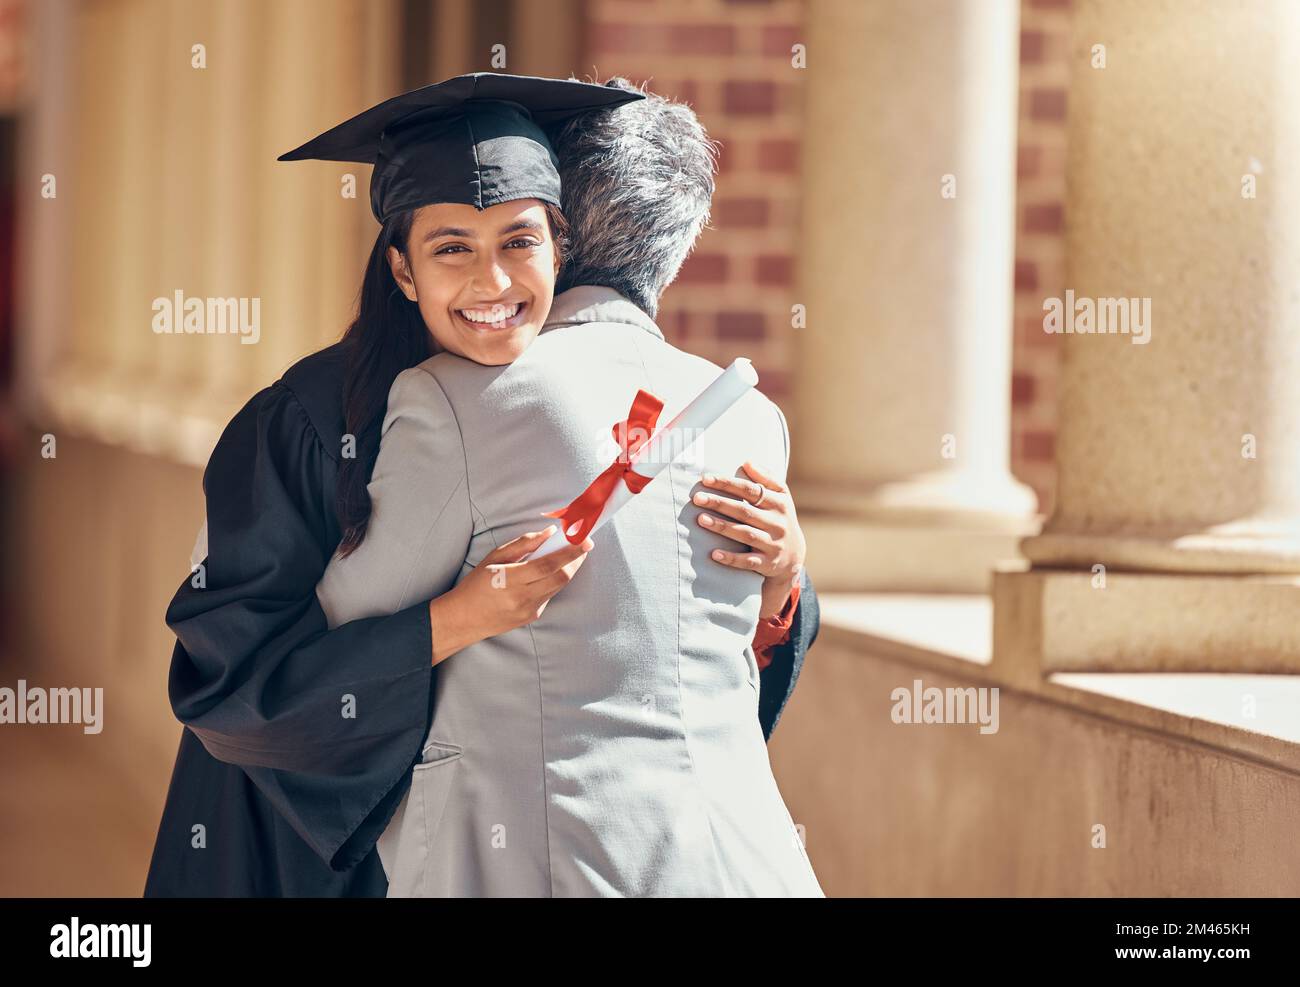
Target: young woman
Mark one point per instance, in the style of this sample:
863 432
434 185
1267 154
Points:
300 739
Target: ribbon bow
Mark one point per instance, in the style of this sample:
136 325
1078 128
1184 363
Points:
630 435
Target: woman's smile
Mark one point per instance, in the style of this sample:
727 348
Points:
490 318
483 278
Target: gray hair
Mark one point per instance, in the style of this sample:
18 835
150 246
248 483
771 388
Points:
637 185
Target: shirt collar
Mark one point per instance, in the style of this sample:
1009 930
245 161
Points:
596 303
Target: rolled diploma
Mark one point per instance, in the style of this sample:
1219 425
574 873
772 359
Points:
666 445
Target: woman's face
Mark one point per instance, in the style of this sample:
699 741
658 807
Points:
483 280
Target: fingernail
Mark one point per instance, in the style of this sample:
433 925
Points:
708 477
718 556
701 498
706 520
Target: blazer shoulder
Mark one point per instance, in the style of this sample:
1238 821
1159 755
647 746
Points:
418 393
705 371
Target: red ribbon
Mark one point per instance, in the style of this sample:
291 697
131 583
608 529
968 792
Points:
630 435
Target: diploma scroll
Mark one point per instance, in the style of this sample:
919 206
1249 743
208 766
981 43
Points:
668 443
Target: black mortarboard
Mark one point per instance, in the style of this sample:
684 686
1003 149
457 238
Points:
475 139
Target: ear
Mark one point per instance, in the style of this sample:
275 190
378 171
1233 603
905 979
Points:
401 274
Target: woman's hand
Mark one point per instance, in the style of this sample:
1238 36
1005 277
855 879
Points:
770 530
502 593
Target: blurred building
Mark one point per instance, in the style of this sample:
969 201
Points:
903 185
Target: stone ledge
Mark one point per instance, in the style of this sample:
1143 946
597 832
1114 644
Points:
951 635
965 631
858 554
1155 622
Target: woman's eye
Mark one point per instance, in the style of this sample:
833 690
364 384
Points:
451 248
524 241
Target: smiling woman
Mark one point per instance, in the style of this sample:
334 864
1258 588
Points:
294 795
483 279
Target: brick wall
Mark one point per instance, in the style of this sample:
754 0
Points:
1040 244
730 60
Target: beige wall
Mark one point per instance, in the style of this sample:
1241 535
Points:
917 810
103 545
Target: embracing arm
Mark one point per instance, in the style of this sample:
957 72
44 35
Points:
325 722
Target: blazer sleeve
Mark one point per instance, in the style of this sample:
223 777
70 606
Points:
326 723
420 522
776 680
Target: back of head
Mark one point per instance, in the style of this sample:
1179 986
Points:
637 187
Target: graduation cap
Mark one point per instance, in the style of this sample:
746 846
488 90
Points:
476 139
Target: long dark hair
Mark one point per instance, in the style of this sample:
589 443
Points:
387 336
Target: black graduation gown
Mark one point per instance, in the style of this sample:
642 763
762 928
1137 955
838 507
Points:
290 792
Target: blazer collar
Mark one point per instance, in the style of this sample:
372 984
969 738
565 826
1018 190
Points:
596 303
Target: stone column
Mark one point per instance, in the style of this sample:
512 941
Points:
175 166
900 465
1175 543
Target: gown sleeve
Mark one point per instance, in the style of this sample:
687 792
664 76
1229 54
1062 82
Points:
420 523
326 723
777 679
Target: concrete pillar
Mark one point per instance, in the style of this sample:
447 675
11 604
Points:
1175 543
175 165
902 396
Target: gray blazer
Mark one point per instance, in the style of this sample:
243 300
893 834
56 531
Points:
613 746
